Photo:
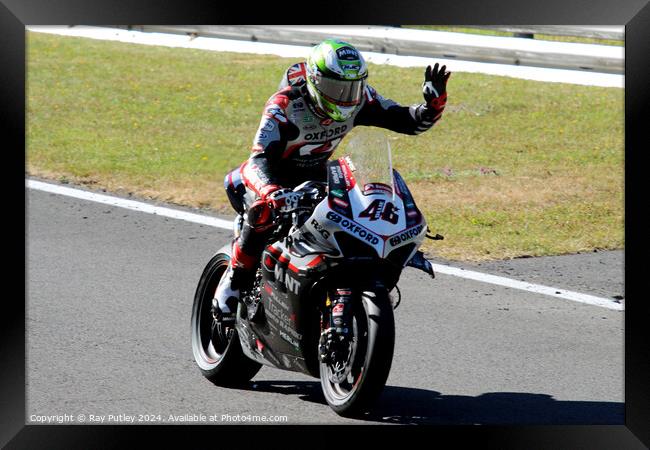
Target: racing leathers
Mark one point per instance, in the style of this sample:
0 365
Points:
292 145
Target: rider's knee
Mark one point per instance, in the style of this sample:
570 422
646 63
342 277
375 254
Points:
236 190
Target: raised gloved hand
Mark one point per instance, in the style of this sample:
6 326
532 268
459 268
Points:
434 87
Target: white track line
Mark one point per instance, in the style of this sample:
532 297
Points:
227 224
130 204
298 51
530 287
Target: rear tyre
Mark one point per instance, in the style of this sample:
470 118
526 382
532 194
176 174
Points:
230 366
353 387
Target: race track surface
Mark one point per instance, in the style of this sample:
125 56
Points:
109 297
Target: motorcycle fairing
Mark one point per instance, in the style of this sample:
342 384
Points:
289 309
383 236
285 335
413 214
339 182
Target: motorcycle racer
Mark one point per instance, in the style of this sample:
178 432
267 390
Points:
318 103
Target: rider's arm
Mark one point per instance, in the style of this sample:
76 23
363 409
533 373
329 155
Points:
260 172
381 112
385 113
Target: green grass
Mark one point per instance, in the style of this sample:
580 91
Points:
515 167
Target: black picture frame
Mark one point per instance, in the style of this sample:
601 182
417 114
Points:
16 14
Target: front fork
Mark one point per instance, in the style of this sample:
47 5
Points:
336 325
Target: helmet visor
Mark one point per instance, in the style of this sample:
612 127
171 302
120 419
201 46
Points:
340 92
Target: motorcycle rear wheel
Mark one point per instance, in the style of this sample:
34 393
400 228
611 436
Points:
231 366
369 361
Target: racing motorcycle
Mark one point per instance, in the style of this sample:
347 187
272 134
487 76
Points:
322 299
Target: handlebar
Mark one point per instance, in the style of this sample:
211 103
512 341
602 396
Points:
312 193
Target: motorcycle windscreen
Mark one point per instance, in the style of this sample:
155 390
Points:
369 157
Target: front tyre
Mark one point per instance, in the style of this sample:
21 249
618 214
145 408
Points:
351 386
231 366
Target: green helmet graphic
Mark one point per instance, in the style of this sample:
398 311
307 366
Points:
336 77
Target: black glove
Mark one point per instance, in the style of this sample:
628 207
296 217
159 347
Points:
434 87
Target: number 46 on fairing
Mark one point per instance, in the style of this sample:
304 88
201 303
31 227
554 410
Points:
381 209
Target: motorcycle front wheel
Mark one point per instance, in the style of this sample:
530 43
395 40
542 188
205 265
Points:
230 366
351 386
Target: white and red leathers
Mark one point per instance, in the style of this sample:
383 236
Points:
293 143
